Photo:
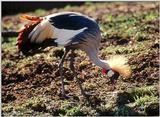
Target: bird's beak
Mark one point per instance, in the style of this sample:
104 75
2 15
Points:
113 80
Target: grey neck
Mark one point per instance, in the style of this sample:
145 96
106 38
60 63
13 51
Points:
97 61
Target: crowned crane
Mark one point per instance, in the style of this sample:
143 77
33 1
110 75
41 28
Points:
72 31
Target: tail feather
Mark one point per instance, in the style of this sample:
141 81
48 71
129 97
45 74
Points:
119 64
23 42
33 36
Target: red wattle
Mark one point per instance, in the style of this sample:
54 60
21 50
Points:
104 71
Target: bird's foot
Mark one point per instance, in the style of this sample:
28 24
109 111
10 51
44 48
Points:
88 94
64 96
91 93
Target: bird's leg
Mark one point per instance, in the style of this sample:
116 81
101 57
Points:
75 74
61 73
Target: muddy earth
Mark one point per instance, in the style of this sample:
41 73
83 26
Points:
31 85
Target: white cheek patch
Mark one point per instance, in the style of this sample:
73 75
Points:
64 35
110 73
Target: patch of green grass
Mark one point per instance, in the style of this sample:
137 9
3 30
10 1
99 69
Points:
9 44
88 3
113 49
141 91
8 63
120 49
89 86
140 96
144 99
18 109
7 107
40 12
43 105
74 111
150 16
143 94
67 7
107 17
7 25
128 25
37 105
11 40
70 109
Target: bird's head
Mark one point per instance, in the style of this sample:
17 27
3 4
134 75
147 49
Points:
112 75
117 66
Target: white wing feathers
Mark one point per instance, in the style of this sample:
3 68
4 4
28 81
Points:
42 31
64 36
46 30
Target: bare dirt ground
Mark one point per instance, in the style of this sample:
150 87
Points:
31 85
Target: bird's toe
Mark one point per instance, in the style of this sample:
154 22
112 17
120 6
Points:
64 96
88 94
